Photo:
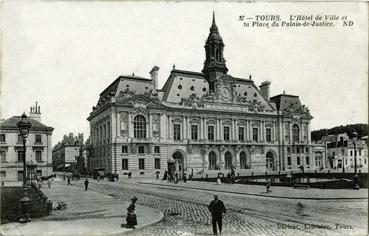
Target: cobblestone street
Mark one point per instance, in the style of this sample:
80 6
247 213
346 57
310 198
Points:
186 212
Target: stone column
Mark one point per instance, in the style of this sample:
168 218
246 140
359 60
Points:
237 156
248 130
201 128
130 126
222 151
150 127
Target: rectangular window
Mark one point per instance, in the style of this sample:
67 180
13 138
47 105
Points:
125 149
255 137
141 149
288 150
2 138
2 174
226 133
307 150
194 132
157 163
268 135
38 156
177 131
20 156
125 164
241 133
141 164
20 175
39 173
38 138
3 155
20 138
210 132
298 161
351 153
156 149
307 160
289 161
359 152
298 149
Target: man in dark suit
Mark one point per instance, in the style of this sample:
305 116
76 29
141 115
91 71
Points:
216 208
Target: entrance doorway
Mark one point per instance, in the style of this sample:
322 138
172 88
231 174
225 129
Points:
176 164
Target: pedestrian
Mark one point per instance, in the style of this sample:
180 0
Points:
131 214
68 181
268 187
219 182
49 183
86 184
98 178
216 208
184 178
157 176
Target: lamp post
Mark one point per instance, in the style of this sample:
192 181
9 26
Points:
24 127
356 177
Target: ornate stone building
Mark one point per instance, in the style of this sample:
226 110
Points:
38 148
199 122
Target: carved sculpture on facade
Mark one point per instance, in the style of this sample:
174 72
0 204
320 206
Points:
192 101
125 94
156 125
222 148
204 149
252 149
123 124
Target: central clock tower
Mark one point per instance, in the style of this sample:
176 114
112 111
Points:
214 65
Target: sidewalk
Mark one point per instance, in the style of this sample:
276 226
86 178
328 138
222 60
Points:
260 191
87 213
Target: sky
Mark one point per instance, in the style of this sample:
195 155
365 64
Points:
63 54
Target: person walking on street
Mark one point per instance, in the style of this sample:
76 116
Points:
131 214
68 181
216 208
86 184
268 187
49 183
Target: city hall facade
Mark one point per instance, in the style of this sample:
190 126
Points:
200 123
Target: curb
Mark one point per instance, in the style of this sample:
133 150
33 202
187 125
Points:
128 230
258 195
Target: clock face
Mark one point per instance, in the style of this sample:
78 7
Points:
225 92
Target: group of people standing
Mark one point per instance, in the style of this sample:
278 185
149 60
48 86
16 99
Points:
216 208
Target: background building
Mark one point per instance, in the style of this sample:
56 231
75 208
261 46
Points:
341 153
38 147
66 152
200 123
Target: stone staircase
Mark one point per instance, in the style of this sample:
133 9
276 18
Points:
11 205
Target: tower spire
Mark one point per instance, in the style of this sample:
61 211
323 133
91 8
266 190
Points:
214 27
214 65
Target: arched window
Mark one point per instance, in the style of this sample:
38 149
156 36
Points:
139 126
228 160
212 160
295 133
243 162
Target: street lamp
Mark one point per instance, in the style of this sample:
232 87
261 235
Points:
24 126
356 177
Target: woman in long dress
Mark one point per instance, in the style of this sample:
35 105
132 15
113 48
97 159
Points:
131 215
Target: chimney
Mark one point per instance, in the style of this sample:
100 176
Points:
154 76
35 113
265 90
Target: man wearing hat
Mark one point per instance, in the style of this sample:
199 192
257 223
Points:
216 208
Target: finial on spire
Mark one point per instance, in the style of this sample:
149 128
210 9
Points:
214 17
174 66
